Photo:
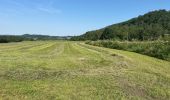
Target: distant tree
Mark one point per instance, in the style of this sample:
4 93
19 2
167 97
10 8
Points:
107 34
8 38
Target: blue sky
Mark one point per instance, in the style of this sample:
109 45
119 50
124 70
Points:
69 17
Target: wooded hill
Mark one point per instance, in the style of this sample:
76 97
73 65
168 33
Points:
150 26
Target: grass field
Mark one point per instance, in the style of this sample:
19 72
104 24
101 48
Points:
64 70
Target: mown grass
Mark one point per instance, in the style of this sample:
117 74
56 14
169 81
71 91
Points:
49 70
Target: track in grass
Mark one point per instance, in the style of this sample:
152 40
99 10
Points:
65 70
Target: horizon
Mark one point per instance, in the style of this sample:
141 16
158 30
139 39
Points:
69 18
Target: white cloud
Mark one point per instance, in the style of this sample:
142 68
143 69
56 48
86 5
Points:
49 10
46 7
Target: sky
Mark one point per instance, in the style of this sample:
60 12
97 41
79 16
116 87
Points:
69 17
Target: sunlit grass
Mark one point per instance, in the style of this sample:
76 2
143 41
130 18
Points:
70 70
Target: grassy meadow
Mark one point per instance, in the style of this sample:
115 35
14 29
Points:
65 70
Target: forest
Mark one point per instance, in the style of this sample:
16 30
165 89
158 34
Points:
150 26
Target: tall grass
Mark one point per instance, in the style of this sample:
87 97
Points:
158 49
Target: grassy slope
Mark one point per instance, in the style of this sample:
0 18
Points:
70 70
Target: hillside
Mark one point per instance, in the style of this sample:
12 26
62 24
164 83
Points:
150 26
65 70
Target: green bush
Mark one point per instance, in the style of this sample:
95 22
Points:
158 49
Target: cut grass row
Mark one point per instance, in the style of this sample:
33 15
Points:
70 70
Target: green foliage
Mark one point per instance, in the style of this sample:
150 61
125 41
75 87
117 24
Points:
28 37
158 49
92 35
6 39
107 34
150 26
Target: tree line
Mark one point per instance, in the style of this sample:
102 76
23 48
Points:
28 37
10 38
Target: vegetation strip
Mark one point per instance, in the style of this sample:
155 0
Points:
158 49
